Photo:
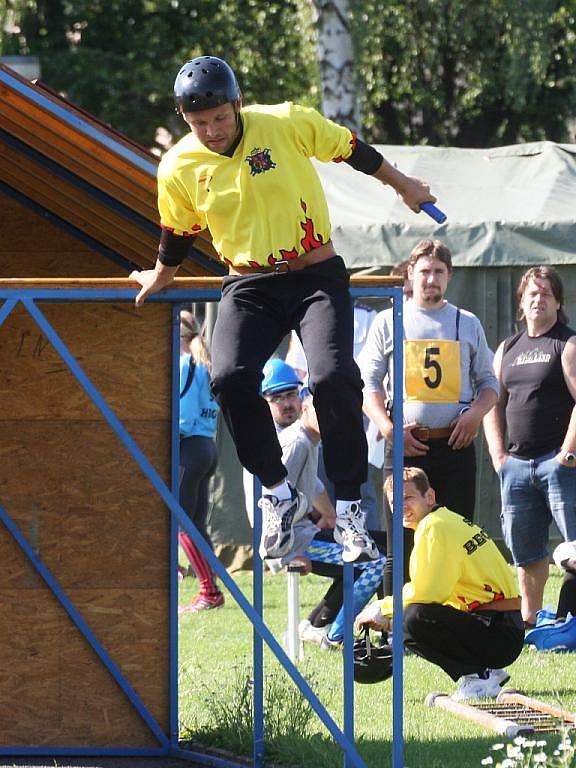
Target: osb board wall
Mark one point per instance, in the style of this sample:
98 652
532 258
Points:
32 246
93 518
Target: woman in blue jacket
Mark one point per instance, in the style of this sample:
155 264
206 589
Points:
198 456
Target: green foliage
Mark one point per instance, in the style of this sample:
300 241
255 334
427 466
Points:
230 712
118 58
444 72
464 73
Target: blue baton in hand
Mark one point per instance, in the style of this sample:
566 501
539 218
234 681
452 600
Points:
434 213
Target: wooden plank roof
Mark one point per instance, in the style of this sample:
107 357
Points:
86 173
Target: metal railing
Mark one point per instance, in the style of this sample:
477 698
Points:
28 292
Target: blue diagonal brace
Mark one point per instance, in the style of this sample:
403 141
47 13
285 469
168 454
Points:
7 307
74 614
185 522
84 751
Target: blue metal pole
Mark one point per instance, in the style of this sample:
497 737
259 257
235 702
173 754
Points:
258 747
398 532
56 751
185 523
174 484
117 295
348 656
201 758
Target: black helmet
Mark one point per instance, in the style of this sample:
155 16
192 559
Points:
372 663
203 83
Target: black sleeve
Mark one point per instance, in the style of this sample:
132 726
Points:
364 158
173 248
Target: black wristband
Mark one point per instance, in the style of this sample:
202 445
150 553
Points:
364 158
173 248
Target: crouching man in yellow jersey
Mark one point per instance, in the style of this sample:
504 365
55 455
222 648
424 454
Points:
461 605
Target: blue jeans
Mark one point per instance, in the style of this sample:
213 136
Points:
535 492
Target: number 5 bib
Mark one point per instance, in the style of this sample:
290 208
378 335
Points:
432 371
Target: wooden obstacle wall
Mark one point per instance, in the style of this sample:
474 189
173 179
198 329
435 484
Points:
88 511
31 246
94 520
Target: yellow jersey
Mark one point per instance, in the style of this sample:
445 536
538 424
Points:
454 562
265 203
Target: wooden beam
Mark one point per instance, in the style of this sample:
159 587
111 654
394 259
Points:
122 283
510 696
500 725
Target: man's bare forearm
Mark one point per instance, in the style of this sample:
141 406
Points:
495 432
375 409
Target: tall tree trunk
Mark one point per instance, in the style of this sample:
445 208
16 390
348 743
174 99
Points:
336 63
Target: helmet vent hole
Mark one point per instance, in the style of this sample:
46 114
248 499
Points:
204 71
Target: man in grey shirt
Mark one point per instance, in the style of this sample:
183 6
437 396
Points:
449 381
281 390
314 546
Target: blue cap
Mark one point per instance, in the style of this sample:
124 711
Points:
278 376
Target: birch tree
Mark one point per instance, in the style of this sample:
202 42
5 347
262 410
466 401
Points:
338 86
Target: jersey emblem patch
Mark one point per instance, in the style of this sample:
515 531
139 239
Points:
259 161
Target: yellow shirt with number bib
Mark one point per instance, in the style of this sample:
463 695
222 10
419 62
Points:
265 203
447 361
432 372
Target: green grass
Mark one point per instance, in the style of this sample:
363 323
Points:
215 702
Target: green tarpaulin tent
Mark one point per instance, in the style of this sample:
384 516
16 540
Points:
507 208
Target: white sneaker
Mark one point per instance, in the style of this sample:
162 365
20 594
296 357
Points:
330 645
350 532
278 518
472 687
565 555
311 634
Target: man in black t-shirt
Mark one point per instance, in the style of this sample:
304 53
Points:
537 465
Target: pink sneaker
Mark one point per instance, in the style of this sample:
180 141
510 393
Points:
203 602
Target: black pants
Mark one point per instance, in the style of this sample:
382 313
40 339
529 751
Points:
463 643
452 475
198 461
255 313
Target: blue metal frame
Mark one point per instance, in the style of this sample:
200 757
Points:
174 484
257 642
398 542
169 743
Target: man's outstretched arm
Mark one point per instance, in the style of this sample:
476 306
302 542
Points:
412 191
